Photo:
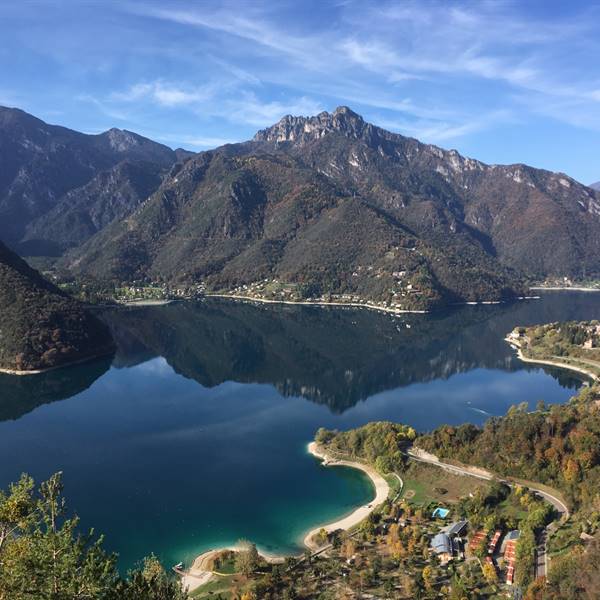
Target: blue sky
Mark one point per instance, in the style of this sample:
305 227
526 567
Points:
500 81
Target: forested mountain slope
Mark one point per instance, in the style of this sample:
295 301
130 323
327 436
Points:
41 327
338 206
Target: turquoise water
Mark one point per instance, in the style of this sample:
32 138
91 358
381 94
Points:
195 435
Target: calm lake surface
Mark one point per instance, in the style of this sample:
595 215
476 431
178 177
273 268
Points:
195 434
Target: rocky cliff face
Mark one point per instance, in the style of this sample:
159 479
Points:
41 327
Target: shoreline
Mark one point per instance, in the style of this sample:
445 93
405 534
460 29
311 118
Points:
382 491
551 363
56 367
146 303
564 289
394 311
198 574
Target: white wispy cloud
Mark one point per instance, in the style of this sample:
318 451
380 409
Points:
165 93
105 108
385 56
440 131
202 142
250 109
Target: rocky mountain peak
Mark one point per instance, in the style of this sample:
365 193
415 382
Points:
304 129
122 140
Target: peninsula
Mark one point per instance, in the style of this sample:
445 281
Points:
574 346
471 498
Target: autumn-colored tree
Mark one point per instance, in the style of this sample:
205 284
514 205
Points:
429 577
490 574
246 558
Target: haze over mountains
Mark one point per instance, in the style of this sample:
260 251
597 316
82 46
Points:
595 186
331 203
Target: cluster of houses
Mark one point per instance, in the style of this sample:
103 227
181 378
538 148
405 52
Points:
510 554
593 339
449 544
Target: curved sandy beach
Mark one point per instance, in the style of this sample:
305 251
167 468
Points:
382 490
199 574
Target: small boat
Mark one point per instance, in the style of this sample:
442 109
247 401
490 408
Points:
178 566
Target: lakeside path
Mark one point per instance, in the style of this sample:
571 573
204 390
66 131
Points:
551 363
564 289
200 572
382 490
66 365
394 311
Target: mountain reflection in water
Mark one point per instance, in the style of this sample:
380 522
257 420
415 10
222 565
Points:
333 356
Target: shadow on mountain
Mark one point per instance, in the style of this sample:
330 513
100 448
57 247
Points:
332 356
22 394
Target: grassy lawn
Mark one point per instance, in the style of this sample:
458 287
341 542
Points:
509 508
227 566
427 483
393 483
219 585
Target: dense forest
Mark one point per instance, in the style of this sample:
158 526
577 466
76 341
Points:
379 443
557 445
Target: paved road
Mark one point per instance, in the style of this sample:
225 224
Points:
541 556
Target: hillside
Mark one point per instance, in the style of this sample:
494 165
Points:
42 164
40 327
595 186
328 207
82 212
333 206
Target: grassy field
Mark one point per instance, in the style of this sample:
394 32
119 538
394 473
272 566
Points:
219 585
426 483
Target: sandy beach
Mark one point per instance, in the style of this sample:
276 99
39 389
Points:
382 490
199 573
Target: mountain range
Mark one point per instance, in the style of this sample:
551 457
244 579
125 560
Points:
595 186
330 204
58 186
40 326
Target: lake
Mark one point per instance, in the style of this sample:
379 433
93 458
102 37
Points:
195 434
